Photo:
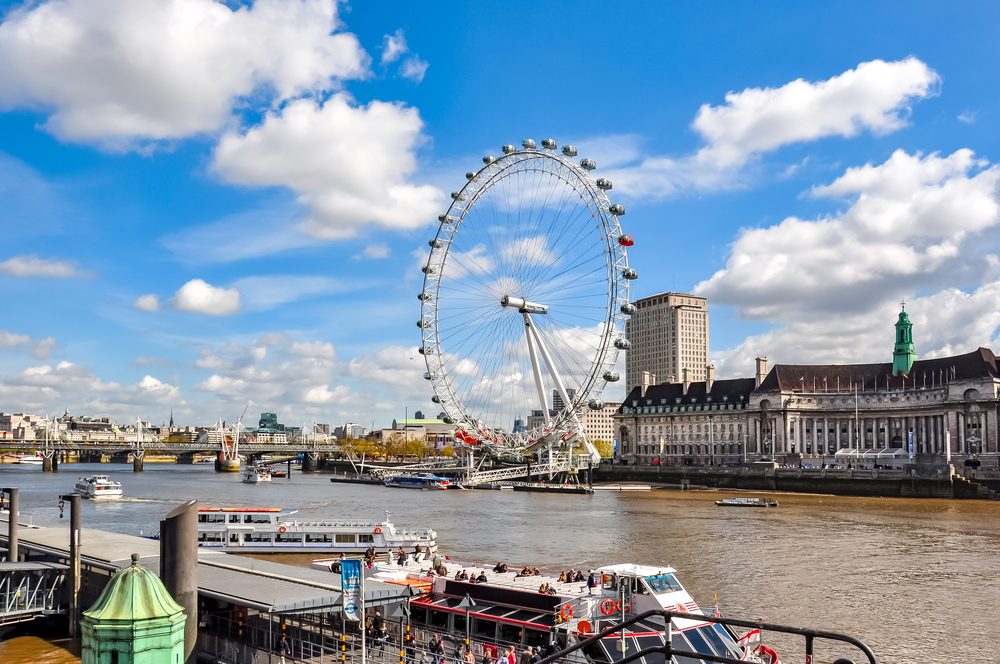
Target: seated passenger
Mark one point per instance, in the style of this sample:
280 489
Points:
482 577
562 577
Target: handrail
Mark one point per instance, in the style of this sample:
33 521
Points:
668 651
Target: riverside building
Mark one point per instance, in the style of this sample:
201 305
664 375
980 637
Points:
669 336
921 411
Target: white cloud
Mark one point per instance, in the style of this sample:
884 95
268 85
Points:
148 302
529 251
10 339
350 165
948 322
114 72
393 46
43 348
875 96
413 68
33 266
377 251
914 222
968 117
201 297
267 292
40 348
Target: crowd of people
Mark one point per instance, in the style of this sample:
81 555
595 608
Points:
437 652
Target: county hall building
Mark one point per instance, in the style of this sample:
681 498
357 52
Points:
928 411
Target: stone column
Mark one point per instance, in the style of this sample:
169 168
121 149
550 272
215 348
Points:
826 435
838 424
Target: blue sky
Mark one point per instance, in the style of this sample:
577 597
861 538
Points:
208 203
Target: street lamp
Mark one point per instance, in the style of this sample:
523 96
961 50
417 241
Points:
467 604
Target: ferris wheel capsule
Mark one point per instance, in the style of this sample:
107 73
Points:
617 209
528 144
509 149
595 404
469 175
489 159
626 240
628 308
549 143
435 243
569 150
604 184
588 164
611 376
621 343
630 273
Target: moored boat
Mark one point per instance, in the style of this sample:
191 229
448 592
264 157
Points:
274 530
31 459
747 502
98 487
520 609
418 481
256 474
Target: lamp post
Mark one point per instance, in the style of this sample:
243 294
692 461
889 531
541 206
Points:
467 603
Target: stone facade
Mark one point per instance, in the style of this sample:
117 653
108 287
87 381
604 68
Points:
668 334
948 408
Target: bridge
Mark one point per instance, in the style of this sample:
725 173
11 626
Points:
54 450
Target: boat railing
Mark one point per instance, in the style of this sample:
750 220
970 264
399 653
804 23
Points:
668 651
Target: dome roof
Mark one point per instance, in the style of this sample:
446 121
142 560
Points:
133 594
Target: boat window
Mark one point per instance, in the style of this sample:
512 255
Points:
663 583
485 629
510 633
209 537
610 582
345 539
439 619
257 537
234 538
211 518
318 537
288 537
234 518
366 538
256 518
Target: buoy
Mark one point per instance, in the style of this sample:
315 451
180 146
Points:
608 606
282 529
378 531
567 612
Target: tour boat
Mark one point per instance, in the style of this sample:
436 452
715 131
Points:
747 502
31 459
508 607
418 481
256 474
98 487
273 530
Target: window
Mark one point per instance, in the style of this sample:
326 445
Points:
344 539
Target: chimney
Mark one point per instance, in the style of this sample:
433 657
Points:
646 382
709 377
686 380
761 369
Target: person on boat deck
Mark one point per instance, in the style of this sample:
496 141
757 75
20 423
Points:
579 576
482 577
525 572
418 552
535 572
591 583
463 576
562 577
525 656
436 646
410 648
401 556
500 568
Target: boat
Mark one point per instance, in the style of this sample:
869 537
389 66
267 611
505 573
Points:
36 459
510 609
256 474
98 487
747 502
418 481
275 530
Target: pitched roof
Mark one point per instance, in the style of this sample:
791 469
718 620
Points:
980 363
733 390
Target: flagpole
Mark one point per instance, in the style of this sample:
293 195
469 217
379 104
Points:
364 618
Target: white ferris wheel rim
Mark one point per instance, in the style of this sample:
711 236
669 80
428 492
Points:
470 343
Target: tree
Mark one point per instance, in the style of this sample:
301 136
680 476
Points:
605 448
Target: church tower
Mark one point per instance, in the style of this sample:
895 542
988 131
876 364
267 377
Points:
903 354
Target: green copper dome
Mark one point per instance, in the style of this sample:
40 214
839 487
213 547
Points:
133 594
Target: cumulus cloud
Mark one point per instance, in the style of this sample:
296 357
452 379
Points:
377 251
33 266
114 72
200 297
875 96
414 68
915 221
40 348
349 164
149 302
393 46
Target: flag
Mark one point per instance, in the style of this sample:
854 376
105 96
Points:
350 586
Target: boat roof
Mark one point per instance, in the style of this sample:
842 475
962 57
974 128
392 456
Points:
239 509
631 569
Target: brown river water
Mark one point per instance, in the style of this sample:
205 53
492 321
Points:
918 580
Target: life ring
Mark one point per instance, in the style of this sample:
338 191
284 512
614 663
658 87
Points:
567 612
378 531
628 607
282 529
608 606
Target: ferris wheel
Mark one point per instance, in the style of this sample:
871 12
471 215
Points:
526 290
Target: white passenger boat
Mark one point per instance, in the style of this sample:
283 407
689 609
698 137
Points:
256 474
747 502
31 459
274 530
514 607
98 487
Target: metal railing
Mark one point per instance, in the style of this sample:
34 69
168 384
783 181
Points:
28 593
669 651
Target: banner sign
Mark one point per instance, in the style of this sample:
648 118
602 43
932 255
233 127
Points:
909 444
350 584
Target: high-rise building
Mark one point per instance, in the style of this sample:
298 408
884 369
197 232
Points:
557 400
668 334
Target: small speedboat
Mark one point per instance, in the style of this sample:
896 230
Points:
747 502
98 487
256 474
31 459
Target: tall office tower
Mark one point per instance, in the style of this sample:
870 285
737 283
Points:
669 333
557 401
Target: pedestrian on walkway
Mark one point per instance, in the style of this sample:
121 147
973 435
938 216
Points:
591 583
284 648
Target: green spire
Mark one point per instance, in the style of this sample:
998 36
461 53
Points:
903 354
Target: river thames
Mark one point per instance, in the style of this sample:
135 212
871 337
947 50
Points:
910 577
